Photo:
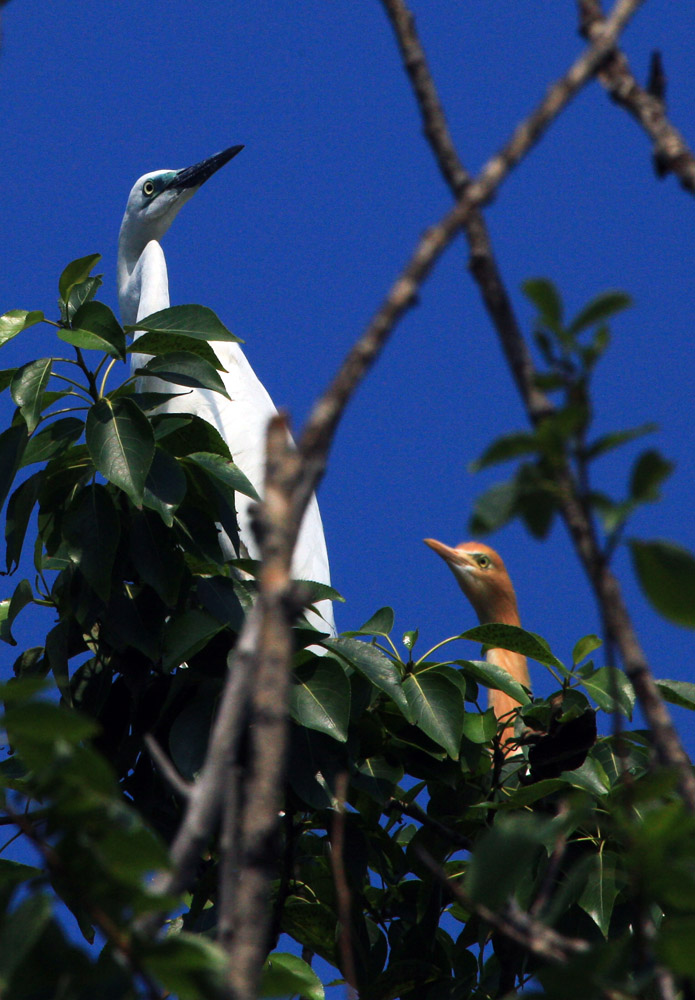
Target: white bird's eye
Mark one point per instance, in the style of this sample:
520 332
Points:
148 188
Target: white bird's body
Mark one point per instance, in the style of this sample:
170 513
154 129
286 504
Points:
241 420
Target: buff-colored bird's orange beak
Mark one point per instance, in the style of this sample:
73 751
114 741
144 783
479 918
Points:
454 557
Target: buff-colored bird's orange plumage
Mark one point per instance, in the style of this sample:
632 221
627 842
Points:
483 577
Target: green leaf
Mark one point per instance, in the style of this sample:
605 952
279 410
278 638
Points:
611 689
91 529
546 298
409 639
506 448
76 272
41 724
194 321
121 443
190 732
165 486
6 376
617 438
373 665
600 891
224 471
604 305
377 777
503 856
9 609
12 444
184 433
494 676
218 595
27 389
666 573
287 975
584 647
480 727
680 693
320 697
21 932
95 328
189 966
16 320
515 639
381 623
52 440
494 508
168 343
186 635
184 368
648 473
83 291
437 707
154 556
674 943
19 509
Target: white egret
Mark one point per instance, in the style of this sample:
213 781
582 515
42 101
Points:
143 288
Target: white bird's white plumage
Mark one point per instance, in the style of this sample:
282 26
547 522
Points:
242 420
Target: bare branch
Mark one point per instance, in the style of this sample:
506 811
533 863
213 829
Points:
617 624
268 723
166 768
342 889
541 940
323 420
413 810
671 154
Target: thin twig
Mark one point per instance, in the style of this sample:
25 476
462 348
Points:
342 889
413 810
536 937
229 856
616 621
671 153
166 768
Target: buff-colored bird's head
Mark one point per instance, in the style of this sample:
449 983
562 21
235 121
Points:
483 577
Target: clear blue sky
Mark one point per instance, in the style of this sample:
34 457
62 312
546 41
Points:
296 241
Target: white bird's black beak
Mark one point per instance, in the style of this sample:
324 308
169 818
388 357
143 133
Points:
196 175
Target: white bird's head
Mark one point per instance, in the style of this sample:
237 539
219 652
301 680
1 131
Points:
483 577
156 198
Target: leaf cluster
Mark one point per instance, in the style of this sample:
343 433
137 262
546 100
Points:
127 505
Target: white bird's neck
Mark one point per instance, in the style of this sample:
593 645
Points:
143 284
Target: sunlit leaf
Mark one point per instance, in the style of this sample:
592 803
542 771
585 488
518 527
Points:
121 443
320 697
188 321
611 689
287 975
184 368
480 727
225 471
16 320
584 647
27 389
381 623
373 665
518 640
95 328
167 343
493 676
76 272
680 693
437 707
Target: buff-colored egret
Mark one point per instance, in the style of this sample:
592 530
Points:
483 577
143 289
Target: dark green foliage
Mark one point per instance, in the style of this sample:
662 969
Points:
141 614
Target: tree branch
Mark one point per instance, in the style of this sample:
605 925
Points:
671 154
616 621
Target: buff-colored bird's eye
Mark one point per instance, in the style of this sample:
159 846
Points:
148 188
